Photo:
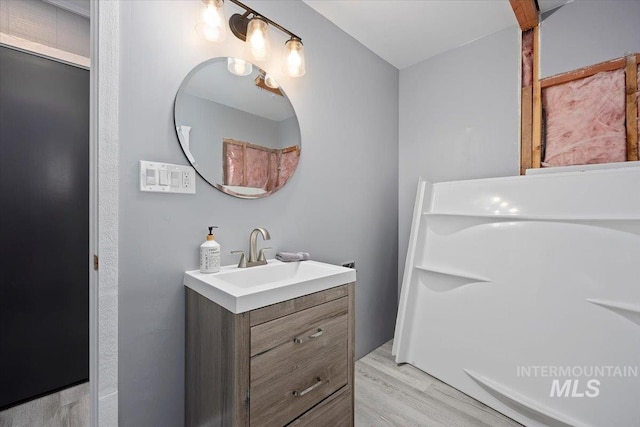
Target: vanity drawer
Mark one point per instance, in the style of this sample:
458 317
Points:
285 329
306 361
334 411
285 308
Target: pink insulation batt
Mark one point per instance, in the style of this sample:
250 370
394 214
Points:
273 170
288 166
235 164
585 120
527 58
257 168
265 168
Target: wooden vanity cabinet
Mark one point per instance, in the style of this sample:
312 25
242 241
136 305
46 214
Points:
289 363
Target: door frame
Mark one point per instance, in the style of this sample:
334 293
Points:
103 233
103 199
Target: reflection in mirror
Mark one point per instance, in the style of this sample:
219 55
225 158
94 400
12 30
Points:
237 128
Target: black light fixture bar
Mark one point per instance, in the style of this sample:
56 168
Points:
269 21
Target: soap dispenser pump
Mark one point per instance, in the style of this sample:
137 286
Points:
210 254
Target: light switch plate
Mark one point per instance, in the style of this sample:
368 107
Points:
167 178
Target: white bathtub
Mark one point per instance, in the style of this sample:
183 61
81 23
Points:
524 292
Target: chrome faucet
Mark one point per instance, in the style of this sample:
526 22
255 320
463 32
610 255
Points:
254 258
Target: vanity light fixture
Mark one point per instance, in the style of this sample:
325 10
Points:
212 27
239 67
253 28
294 57
257 39
271 82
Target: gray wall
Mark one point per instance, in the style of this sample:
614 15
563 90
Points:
340 205
459 119
288 132
583 33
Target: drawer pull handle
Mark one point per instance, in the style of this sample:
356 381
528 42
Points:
305 391
310 337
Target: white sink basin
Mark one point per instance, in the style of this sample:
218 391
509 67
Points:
244 289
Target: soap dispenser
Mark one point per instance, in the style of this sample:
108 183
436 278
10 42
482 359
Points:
210 254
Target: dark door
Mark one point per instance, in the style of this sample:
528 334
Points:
44 226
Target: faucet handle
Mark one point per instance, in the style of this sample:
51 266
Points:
261 256
243 260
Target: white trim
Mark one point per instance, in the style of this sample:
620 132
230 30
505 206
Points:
70 6
93 226
583 168
105 80
44 51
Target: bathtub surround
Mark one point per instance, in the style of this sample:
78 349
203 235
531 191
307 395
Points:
459 111
341 204
576 236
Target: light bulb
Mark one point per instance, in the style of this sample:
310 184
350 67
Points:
213 26
258 39
239 67
294 65
271 82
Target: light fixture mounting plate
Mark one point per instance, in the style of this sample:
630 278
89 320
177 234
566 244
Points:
238 25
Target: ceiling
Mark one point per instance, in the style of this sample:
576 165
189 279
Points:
405 32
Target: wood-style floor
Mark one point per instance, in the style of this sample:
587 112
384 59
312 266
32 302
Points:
65 408
401 395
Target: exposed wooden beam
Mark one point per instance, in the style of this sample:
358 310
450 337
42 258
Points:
261 84
526 13
536 139
614 64
526 134
632 107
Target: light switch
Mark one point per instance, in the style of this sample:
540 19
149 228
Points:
167 178
175 179
151 176
164 177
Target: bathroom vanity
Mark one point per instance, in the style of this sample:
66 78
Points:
287 363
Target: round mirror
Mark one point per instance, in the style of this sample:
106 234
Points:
237 128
